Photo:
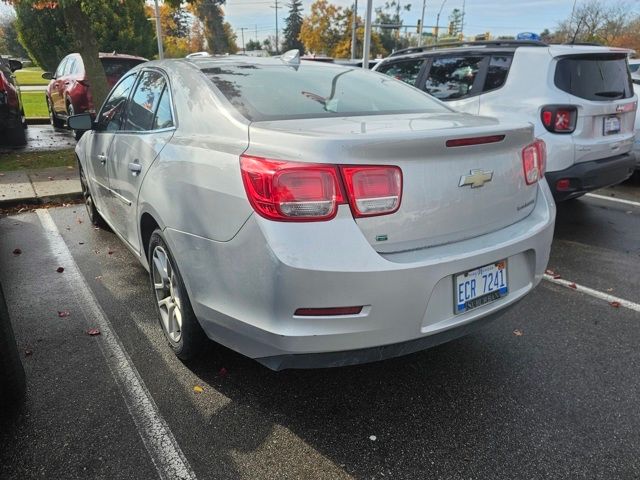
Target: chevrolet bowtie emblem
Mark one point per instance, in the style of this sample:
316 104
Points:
476 178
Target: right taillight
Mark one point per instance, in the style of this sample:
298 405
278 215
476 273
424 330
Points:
559 118
307 192
534 161
372 190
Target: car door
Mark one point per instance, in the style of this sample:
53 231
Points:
148 126
54 92
458 80
108 123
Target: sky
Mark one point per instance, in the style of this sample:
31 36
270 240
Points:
507 17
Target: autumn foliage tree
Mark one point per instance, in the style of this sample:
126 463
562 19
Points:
327 31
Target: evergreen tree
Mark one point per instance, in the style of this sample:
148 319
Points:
293 24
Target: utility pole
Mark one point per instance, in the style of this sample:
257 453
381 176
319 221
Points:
424 5
277 42
159 32
367 35
256 32
242 29
462 20
354 28
438 20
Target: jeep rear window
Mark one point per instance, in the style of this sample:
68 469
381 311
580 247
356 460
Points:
451 78
594 77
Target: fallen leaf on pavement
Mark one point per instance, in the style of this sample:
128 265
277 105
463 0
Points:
556 276
549 271
79 220
198 389
28 352
17 251
60 269
517 332
50 178
373 438
99 277
110 252
609 289
615 304
63 313
223 372
1 174
93 332
572 285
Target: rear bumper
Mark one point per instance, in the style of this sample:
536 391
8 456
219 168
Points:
245 291
587 176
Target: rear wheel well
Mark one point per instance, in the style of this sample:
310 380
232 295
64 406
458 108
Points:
148 225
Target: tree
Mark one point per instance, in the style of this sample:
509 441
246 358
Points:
597 21
293 25
9 43
390 14
455 22
343 49
175 30
253 45
322 29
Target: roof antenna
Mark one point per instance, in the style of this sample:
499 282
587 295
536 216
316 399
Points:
291 58
573 40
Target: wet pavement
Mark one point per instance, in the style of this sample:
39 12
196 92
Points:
44 137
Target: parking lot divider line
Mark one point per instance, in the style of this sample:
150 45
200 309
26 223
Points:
612 199
594 293
168 458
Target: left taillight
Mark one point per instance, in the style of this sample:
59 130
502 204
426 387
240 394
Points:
534 161
307 192
559 119
290 191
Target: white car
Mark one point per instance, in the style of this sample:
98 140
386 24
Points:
634 68
310 214
579 98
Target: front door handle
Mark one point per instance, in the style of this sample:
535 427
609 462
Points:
135 168
102 158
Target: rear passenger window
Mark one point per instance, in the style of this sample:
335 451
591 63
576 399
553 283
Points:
451 78
497 72
145 100
163 115
406 71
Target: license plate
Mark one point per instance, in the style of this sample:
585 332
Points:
611 125
480 286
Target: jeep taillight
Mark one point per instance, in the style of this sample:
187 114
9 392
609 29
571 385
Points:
307 192
559 118
534 161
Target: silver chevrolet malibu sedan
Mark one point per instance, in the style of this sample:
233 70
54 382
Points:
310 215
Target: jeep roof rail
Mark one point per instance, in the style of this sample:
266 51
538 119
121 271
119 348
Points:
480 43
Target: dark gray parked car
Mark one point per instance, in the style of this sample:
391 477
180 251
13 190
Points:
12 379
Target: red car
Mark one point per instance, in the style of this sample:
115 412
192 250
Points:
68 92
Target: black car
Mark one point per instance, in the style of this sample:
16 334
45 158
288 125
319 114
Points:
12 119
12 379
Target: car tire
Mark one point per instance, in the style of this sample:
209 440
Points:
12 378
177 320
92 212
53 118
16 136
24 119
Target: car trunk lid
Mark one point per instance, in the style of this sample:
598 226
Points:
449 193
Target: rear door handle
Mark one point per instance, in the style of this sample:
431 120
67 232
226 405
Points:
102 158
135 168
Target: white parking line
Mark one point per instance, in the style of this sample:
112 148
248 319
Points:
613 199
160 443
594 293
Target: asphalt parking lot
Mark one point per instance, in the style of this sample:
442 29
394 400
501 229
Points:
550 390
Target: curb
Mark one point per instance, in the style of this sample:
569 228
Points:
34 201
38 121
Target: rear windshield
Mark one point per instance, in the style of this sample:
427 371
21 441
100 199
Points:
117 67
594 77
281 92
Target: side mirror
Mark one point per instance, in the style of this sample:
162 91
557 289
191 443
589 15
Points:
47 75
82 121
15 65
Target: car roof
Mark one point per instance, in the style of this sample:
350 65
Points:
125 56
503 46
208 62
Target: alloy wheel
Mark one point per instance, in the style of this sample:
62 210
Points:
165 285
